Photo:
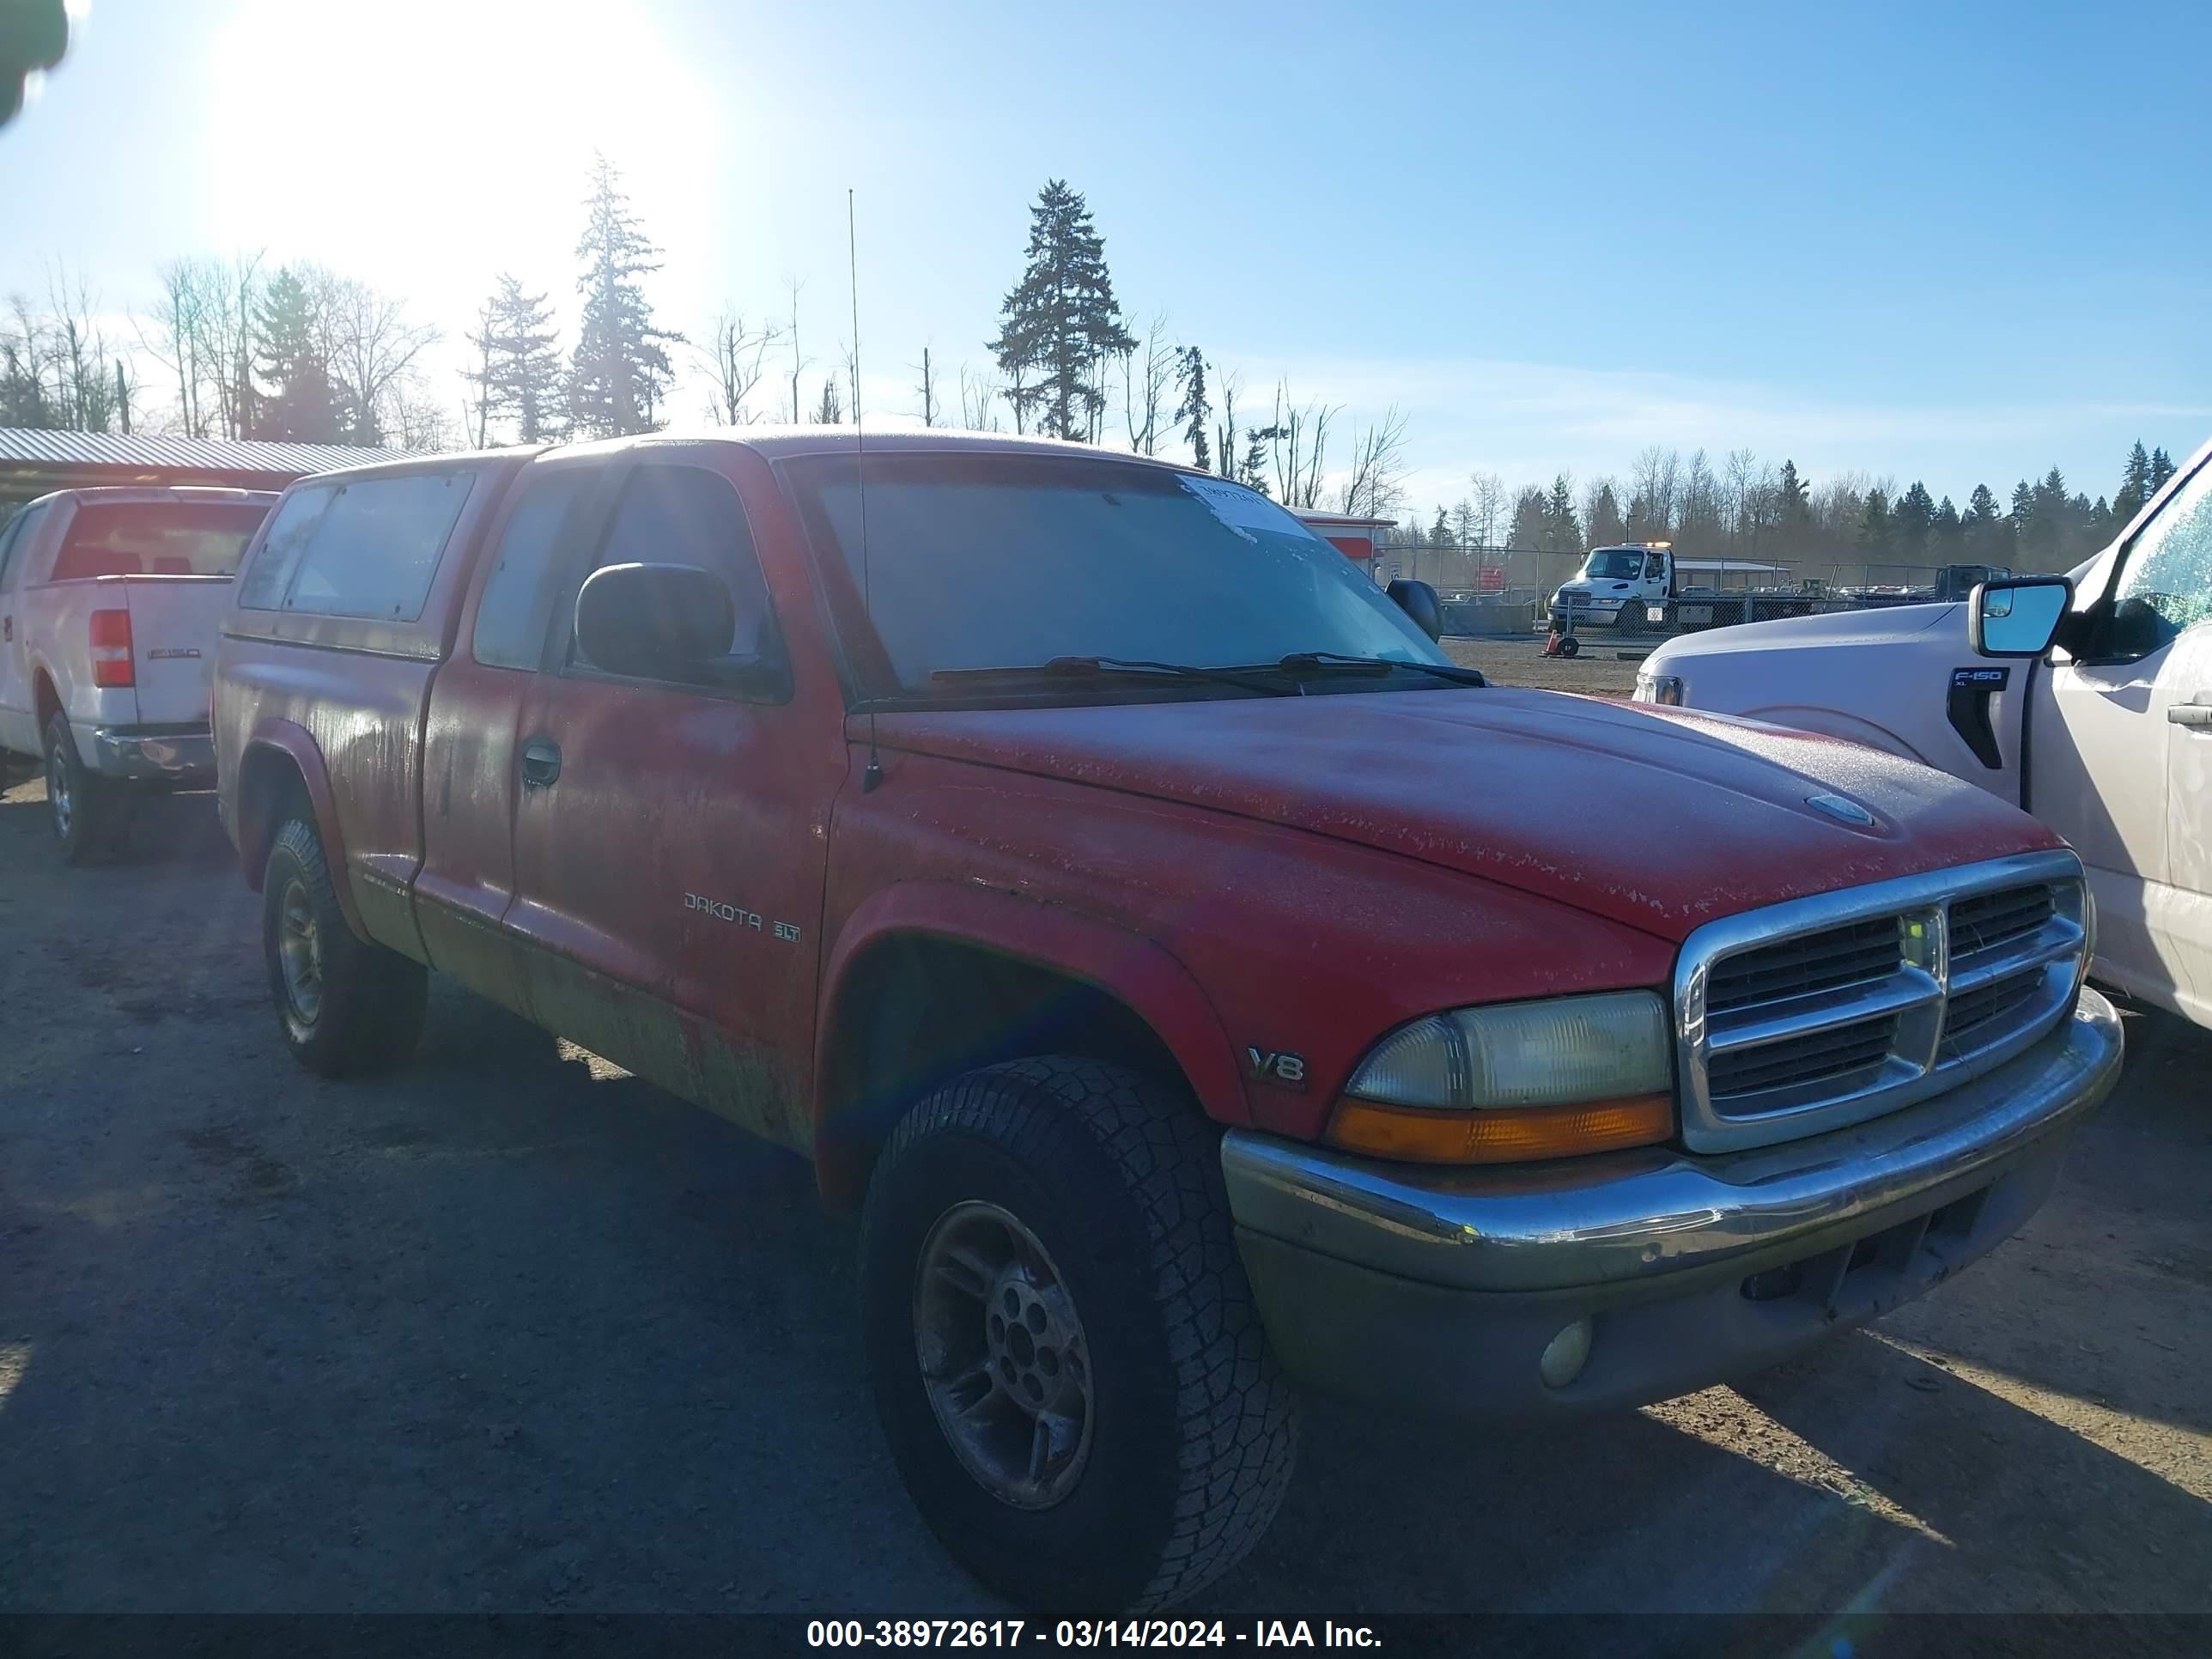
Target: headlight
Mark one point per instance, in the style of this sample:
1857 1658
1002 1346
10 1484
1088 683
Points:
1515 1081
1665 688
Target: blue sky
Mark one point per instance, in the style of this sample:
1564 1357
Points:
1961 246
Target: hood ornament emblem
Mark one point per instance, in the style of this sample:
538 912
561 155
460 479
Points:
1836 806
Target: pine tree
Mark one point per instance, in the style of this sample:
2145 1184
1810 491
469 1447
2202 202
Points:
1440 532
1946 529
1061 321
1563 530
518 367
1530 519
2102 524
1874 526
300 403
1988 537
2134 484
1909 521
830 410
1606 525
1253 473
1793 502
1195 408
2161 468
2043 539
620 367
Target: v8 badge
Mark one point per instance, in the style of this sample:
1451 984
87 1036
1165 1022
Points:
1287 1071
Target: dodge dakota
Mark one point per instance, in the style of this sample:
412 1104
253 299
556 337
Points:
1195 980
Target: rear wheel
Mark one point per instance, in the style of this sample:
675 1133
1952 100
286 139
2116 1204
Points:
344 1005
1066 1357
90 814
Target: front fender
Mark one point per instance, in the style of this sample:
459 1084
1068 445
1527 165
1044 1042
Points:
1142 974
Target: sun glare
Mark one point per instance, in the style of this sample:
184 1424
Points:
427 140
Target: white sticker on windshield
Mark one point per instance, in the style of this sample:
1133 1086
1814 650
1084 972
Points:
1243 510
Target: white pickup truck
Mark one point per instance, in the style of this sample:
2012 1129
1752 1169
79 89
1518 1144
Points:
109 605
2099 724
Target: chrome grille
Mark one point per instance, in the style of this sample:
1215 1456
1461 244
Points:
1988 920
1797 967
1824 1012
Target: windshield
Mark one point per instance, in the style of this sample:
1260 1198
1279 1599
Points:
1009 560
157 538
1621 566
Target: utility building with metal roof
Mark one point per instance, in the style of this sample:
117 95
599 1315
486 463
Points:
34 461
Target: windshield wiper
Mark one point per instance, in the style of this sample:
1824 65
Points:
1336 662
1248 679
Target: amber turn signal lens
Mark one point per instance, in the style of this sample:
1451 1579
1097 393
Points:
1505 1136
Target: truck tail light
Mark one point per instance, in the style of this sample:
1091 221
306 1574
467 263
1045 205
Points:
111 649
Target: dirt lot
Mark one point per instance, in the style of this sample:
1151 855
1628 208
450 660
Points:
509 1331
1605 668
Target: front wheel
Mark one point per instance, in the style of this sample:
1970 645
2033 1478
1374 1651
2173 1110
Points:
344 1004
1065 1353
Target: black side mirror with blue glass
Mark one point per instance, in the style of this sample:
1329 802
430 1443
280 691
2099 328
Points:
2018 617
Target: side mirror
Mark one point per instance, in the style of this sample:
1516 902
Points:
1418 600
654 621
2019 617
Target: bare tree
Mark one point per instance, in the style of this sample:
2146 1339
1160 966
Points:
370 344
1486 496
735 358
791 285
1226 384
175 334
225 311
978 391
1297 443
1147 383
928 388
1376 486
1652 492
418 419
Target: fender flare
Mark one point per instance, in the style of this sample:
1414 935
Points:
297 743
1835 723
1145 976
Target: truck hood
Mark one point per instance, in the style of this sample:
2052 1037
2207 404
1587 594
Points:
1854 629
1599 584
1661 819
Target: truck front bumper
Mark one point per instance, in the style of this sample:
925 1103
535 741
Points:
161 754
1637 1276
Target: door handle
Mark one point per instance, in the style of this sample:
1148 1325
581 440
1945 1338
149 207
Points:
541 762
2199 714
7 629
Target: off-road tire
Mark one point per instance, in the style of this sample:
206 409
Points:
97 820
368 1013
1194 1426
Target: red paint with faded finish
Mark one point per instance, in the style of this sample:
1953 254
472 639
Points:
1290 873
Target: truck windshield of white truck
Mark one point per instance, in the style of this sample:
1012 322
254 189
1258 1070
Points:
1615 564
157 538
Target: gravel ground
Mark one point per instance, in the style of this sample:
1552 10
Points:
511 1331
1606 668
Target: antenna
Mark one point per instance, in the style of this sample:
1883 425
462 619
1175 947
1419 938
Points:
873 775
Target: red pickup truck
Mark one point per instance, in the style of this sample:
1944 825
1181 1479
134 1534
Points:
1205 988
